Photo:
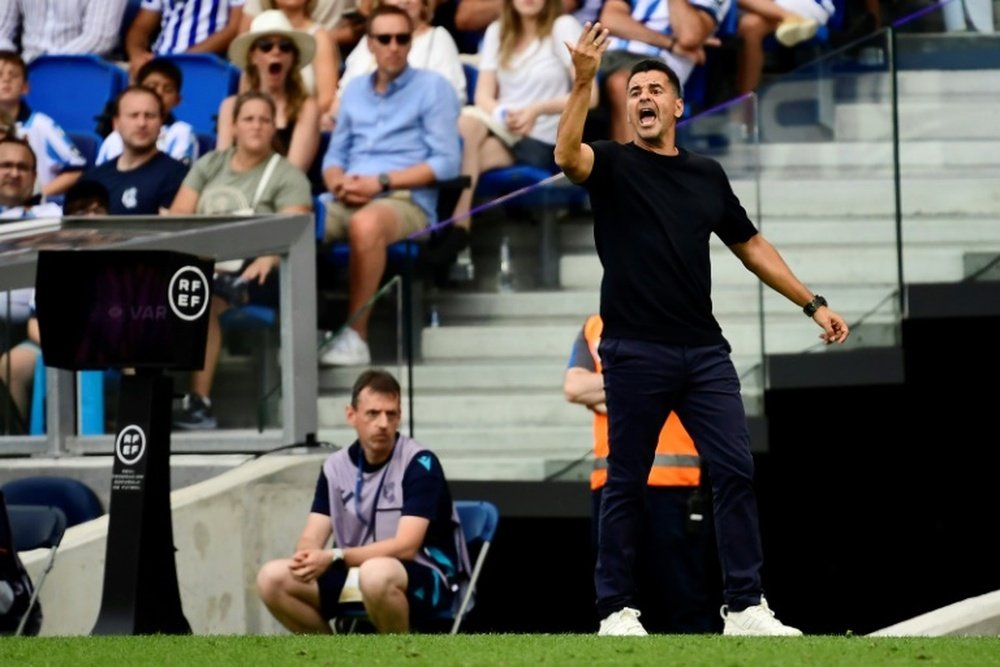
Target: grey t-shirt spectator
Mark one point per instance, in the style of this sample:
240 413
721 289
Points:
221 190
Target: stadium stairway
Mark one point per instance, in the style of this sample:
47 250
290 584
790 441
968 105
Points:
488 388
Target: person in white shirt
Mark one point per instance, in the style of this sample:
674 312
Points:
525 75
177 138
60 26
433 48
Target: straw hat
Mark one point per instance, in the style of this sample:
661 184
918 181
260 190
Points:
271 22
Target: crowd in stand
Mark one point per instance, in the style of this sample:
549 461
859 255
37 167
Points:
378 77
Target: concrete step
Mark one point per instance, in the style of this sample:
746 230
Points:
509 441
945 194
956 86
831 264
930 154
919 120
520 373
489 411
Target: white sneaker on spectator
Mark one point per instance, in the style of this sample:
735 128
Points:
757 620
345 349
793 31
622 623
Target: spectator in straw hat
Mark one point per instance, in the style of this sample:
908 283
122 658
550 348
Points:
272 53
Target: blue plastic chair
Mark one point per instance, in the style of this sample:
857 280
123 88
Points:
207 80
479 519
73 89
77 501
28 527
471 76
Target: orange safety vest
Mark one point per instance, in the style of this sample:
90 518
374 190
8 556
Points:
676 462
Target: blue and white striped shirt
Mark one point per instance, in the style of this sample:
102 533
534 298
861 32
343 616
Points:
184 23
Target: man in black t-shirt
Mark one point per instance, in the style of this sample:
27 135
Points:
655 208
142 180
387 505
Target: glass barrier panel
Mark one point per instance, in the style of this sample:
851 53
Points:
827 194
948 75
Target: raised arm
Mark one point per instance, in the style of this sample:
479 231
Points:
473 15
575 158
761 258
219 40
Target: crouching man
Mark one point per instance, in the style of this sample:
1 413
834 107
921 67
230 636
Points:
387 504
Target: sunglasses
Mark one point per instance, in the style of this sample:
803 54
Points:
402 38
265 45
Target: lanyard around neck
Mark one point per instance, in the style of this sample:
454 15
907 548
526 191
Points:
369 524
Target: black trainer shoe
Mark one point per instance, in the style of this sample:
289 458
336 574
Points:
195 414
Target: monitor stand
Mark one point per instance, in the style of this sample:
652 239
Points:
141 595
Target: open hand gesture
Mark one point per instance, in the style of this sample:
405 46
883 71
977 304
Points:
587 51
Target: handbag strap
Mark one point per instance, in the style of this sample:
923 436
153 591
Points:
268 170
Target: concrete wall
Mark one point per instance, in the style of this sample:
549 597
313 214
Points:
225 528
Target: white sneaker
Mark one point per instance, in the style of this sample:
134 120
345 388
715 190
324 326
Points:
624 623
793 31
345 349
757 620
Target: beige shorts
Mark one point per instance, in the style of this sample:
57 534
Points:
412 218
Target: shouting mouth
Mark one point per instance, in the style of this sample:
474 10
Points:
647 116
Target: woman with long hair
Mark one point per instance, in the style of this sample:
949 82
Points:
248 177
272 54
525 76
319 76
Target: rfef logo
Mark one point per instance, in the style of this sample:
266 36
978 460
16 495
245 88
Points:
130 445
188 293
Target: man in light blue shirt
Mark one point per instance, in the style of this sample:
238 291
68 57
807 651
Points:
396 134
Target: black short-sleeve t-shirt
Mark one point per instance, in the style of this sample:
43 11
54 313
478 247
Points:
653 219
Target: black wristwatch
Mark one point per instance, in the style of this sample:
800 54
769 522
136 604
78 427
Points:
810 308
383 180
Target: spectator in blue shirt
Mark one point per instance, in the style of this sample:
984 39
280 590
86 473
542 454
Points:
396 134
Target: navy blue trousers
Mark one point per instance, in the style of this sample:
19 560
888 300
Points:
644 381
677 570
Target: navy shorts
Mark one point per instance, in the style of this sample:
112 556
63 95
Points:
426 592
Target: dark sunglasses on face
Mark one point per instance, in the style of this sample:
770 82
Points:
265 45
402 38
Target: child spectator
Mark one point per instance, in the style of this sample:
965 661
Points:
177 138
59 162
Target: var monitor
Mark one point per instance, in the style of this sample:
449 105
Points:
123 308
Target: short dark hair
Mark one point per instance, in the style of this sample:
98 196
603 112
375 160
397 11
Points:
14 58
162 66
651 65
82 194
378 380
136 88
11 139
387 10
